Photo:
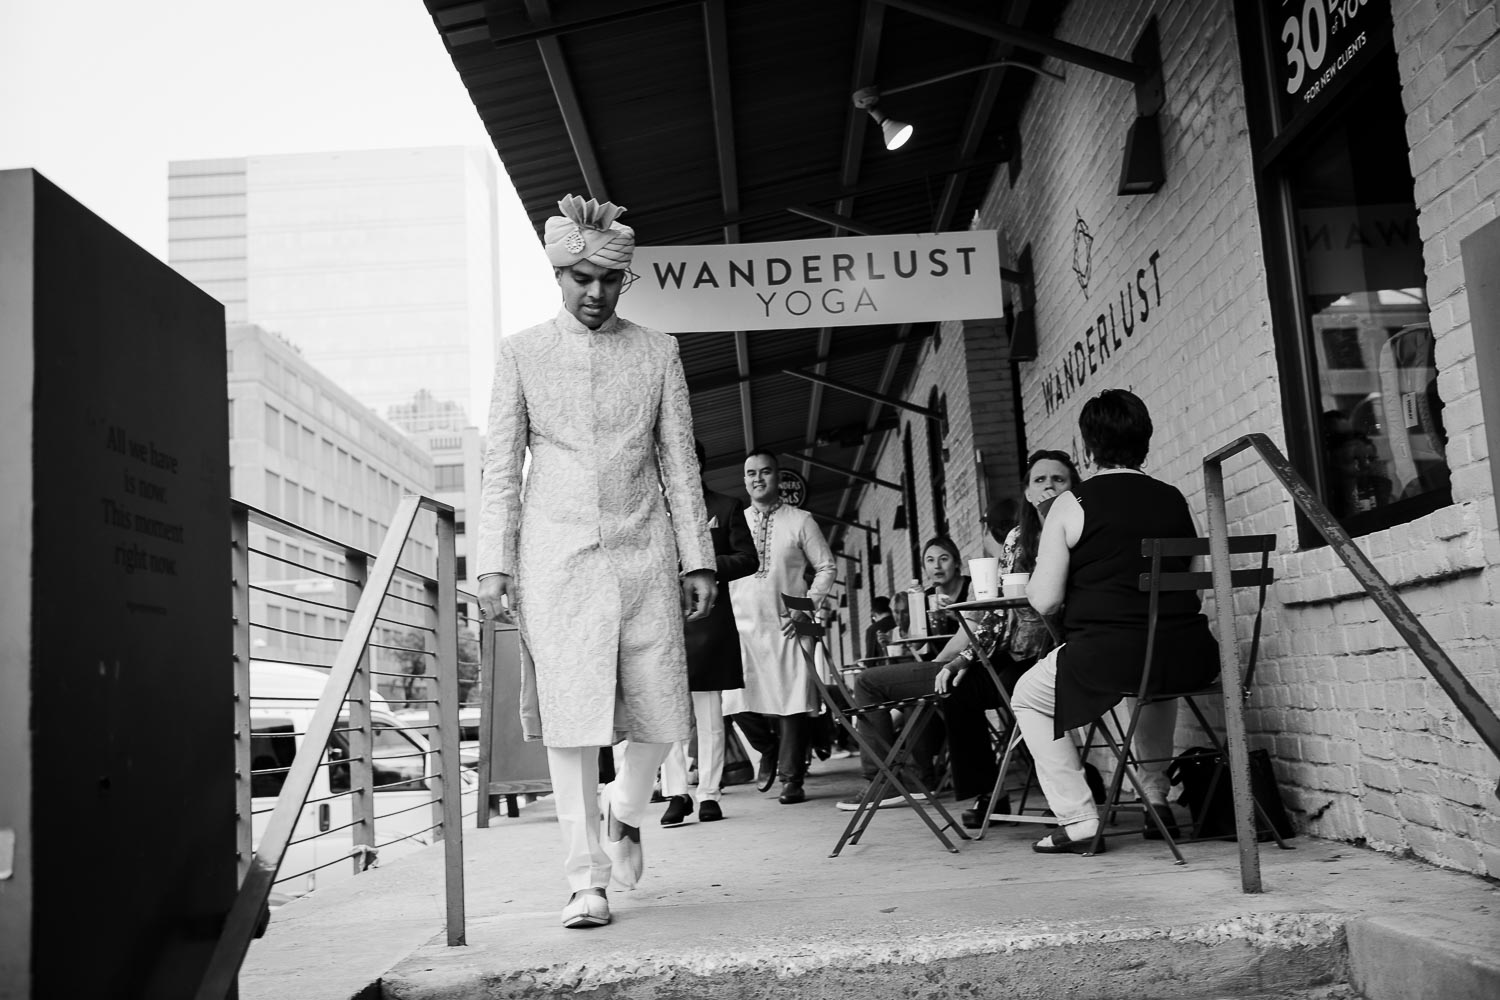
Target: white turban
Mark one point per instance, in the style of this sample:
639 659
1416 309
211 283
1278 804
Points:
587 230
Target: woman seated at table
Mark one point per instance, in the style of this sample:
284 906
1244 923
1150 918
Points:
942 564
1089 564
1024 636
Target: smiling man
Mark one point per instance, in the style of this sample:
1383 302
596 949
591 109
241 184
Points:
606 551
787 541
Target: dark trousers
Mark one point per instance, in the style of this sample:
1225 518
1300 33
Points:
783 737
895 682
971 753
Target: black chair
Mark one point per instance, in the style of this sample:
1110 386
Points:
1121 742
918 714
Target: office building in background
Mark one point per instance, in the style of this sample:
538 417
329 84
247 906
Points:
380 266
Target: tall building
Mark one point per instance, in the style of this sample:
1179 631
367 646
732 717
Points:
303 449
381 266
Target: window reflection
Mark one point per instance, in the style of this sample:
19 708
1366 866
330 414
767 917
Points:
1363 277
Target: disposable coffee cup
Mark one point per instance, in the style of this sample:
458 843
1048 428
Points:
1014 584
984 578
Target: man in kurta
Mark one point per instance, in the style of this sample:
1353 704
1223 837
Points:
603 550
787 541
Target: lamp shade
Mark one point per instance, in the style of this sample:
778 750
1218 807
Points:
896 133
898 523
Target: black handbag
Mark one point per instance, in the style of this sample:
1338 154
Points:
1203 774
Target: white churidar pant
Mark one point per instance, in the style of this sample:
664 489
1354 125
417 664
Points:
708 713
575 788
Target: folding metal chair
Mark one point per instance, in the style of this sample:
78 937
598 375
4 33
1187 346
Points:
1121 743
919 712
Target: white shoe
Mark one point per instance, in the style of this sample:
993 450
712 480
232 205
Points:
622 842
889 802
587 908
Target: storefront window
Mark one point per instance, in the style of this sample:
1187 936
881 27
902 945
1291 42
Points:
1344 261
1364 302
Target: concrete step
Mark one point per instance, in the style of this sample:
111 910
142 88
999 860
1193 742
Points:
753 905
1431 958
684 956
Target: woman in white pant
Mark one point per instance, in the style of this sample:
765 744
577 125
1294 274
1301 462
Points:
1089 564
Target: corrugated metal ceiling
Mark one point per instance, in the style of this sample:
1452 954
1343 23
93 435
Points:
710 119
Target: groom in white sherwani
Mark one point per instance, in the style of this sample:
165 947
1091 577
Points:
606 549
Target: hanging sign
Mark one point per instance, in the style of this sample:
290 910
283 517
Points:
792 488
848 281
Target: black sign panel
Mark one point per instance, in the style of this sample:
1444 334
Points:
1319 43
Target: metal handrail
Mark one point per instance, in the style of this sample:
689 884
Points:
1442 668
246 914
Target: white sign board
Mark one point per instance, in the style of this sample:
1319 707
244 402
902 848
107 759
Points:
848 281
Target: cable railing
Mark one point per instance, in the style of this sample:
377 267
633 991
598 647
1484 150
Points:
318 729
1442 668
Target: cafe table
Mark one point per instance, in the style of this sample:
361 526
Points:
1013 731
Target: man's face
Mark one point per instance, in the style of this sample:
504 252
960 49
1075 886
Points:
590 291
762 478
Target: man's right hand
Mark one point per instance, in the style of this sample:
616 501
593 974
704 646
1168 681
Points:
496 590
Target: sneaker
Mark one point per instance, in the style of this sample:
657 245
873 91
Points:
679 808
851 804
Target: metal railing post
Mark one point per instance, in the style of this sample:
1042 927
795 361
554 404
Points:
1455 685
249 903
239 559
445 636
1231 679
362 739
486 722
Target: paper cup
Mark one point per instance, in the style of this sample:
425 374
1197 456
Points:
1014 584
984 578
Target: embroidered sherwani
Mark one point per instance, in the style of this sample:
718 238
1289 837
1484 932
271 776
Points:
776 682
589 541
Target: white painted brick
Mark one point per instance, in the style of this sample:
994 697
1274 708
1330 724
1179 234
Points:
1362 737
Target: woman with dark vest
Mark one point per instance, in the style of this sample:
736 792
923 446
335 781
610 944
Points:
1089 564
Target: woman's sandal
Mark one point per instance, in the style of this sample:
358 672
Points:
1061 843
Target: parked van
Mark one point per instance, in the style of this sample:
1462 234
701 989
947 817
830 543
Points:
283 697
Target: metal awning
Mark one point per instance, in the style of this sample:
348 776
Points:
730 122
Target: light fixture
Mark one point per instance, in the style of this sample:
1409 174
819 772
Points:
895 132
1143 171
898 523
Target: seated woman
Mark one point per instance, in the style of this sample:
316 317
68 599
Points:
942 564
1089 563
968 690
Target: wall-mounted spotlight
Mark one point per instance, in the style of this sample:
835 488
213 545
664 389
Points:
1143 171
895 133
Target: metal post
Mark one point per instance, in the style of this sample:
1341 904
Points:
239 557
445 635
249 903
362 739
486 723
1229 677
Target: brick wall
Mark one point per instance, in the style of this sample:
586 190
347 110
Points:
1367 747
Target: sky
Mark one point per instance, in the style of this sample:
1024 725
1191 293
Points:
99 95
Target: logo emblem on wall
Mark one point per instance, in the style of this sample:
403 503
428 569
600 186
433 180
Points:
793 488
1083 253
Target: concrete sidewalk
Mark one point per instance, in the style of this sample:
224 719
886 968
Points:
753 906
